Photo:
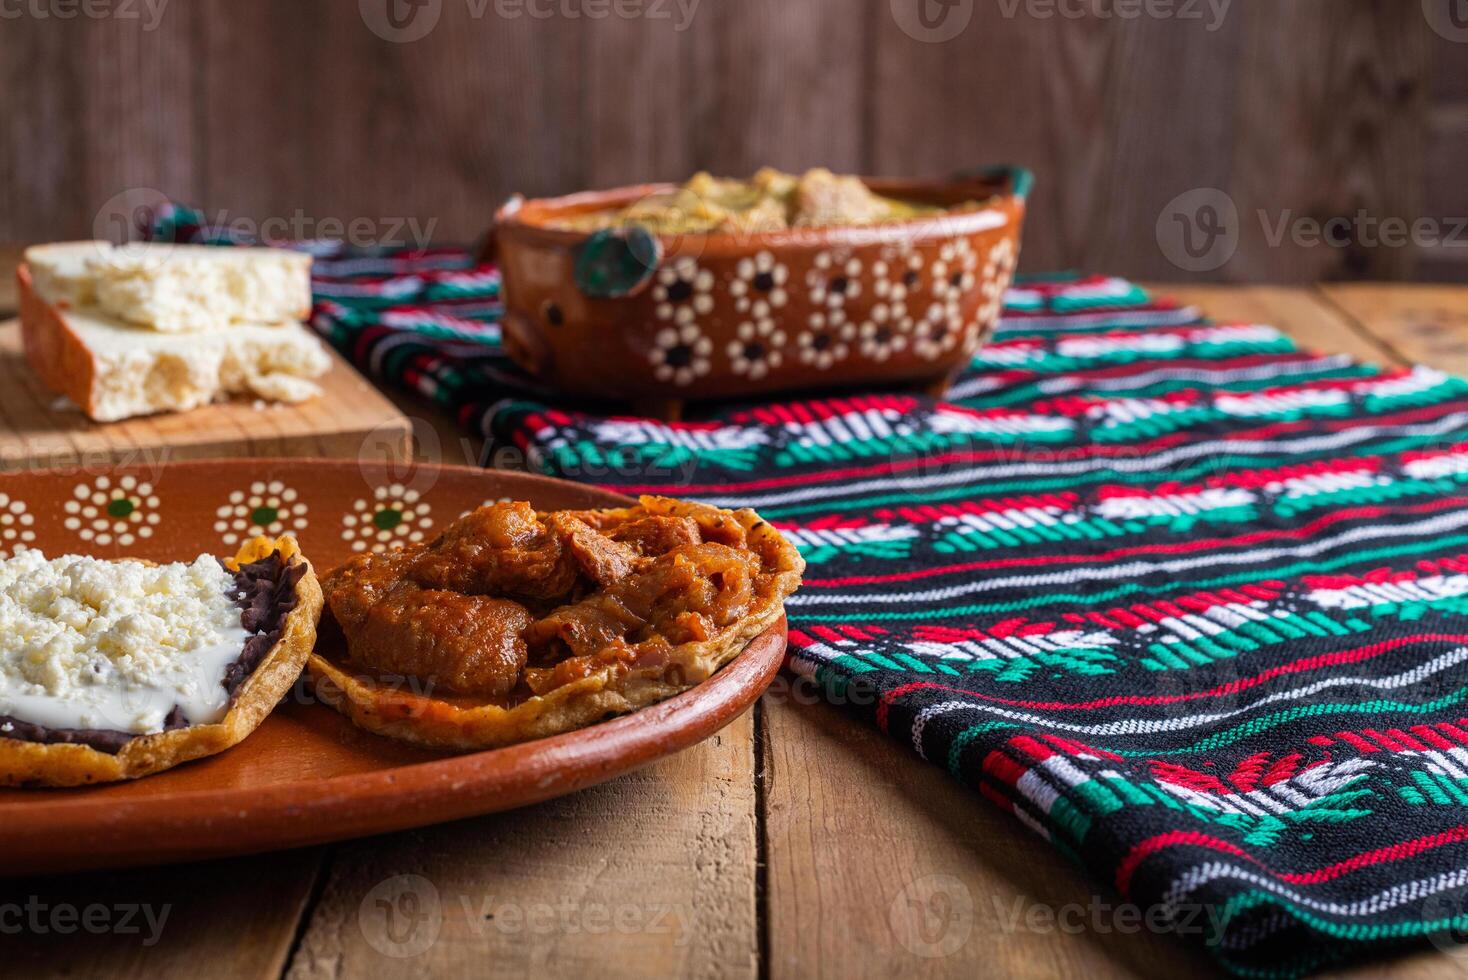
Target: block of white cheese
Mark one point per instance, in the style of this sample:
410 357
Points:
114 369
175 288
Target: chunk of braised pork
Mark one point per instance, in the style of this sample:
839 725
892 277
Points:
601 559
465 644
354 588
502 549
650 536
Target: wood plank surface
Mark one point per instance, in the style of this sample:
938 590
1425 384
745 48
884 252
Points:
235 919
37 430
649 875
302 113
1360 80
1421 324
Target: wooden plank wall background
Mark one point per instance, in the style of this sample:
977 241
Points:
291 109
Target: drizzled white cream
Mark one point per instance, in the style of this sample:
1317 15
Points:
90 644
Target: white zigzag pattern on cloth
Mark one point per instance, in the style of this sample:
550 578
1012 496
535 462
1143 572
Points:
1282 797
1381 901
1009 647
640 433
1152 462
1174 504
1147 726
1129 570
840 536
1429 589
1437 467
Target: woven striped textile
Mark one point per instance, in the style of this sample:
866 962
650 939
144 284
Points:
1186 600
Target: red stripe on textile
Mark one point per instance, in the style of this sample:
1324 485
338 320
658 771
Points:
1431 737
1382 855
1384 740
1232 687
1407 741
1104 451
1357 742
1002 768
1184 547
1326 425
1032 747
997 798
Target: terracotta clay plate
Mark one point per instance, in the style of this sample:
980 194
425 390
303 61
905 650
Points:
307 776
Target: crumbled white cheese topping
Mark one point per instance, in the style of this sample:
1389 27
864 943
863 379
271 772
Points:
115 645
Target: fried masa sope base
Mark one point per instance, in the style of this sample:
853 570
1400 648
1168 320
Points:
406 707
60 764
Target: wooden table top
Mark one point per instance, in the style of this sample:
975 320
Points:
796 843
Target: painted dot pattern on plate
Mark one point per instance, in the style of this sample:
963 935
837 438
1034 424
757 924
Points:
268 507
17 526
107 511
393 516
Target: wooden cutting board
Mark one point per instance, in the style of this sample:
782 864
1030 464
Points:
39 430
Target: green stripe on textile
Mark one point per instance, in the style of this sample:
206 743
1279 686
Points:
1439 546
1258 725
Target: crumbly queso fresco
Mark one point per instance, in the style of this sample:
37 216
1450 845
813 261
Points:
116 646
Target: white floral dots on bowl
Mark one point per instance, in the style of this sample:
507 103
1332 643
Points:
759 284
394 516
958 262
680 354
939 331
909 273
16 526
889 284
833 280
825 344
882 336
107 511
998 273
267 508
683 291
755 351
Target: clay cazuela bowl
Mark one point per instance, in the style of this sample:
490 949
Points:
720 315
